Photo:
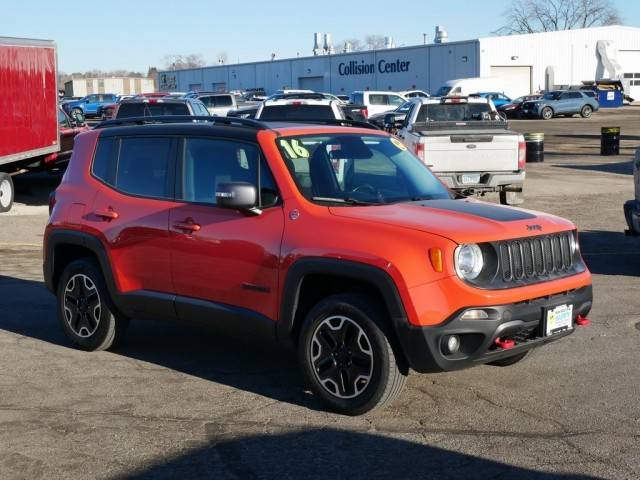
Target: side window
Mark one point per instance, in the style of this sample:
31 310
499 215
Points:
92 98
143 166
203 109
63 121
208 101
396 100
376 99
208 162
103 164
455 90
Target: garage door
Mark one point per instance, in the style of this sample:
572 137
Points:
311 83
517 80
630 63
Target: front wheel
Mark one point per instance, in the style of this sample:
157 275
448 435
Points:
6 192
85 310
586 111
346 355
547 113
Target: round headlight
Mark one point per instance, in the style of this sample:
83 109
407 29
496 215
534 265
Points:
468 261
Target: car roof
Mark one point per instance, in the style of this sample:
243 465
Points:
157 100
298 101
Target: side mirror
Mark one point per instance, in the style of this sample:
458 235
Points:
394 121
237 196
78 118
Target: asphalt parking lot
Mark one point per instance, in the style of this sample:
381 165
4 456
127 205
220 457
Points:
173 402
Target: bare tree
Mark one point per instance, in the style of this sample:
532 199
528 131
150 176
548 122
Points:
222 58
531 16
356 44
177 62
374 42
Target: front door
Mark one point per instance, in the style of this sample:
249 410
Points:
218 255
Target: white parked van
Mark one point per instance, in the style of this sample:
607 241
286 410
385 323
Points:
467 86
377 102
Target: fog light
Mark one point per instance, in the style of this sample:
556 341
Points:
475 315
452 344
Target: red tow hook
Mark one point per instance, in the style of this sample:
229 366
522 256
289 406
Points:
582 321
505 344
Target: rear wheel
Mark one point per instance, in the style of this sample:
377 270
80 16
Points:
346 355
6 192
547 113
586 111
85 310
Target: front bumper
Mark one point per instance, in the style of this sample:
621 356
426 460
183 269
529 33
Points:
521 322
489 181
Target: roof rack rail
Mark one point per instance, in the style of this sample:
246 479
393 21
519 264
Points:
150 120
328 121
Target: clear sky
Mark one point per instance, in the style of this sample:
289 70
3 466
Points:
136 34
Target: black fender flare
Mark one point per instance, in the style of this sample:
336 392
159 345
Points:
81 239
370 274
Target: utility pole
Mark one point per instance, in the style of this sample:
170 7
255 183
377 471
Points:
424 38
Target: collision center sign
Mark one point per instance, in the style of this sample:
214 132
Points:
382 66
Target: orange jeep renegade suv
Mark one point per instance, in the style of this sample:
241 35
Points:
332 239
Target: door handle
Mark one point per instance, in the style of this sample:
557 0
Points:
187 226
108 214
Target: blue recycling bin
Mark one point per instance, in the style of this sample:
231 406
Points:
610 98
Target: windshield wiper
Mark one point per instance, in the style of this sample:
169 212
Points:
347 201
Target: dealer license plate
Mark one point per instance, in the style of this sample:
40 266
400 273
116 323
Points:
470 178
558 319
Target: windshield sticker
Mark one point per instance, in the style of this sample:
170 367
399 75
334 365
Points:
294 148
398 143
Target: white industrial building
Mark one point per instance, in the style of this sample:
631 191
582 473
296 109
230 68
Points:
527 63
80 87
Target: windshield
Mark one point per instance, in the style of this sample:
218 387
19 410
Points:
353 169
142 109
443 91
297 112
453 112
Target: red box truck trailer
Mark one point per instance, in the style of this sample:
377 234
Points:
28 108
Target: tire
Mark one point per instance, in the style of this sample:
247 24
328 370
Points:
85 310
508 361
511 198
350 327
586 111
547 113
75 111
7 192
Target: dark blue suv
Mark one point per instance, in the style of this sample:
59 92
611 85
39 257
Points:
559 102
88 105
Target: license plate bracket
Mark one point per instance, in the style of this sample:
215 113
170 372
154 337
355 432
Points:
557 319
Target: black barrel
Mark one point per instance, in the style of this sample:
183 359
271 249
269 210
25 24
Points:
610 141
535 147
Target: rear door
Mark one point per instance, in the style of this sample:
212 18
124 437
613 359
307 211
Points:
132 211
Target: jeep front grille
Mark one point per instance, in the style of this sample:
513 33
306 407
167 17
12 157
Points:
535 259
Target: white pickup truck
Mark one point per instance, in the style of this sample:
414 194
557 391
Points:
464 141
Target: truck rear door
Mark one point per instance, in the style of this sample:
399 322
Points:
471 152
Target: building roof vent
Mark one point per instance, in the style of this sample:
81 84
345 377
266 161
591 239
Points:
318 39
441 35
388 42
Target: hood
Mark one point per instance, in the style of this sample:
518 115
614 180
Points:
463 221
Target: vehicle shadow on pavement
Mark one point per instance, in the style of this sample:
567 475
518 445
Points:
622 168
34 188
610 253
27 308
330 453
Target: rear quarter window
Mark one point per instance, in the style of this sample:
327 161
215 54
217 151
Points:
103 160
143 166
